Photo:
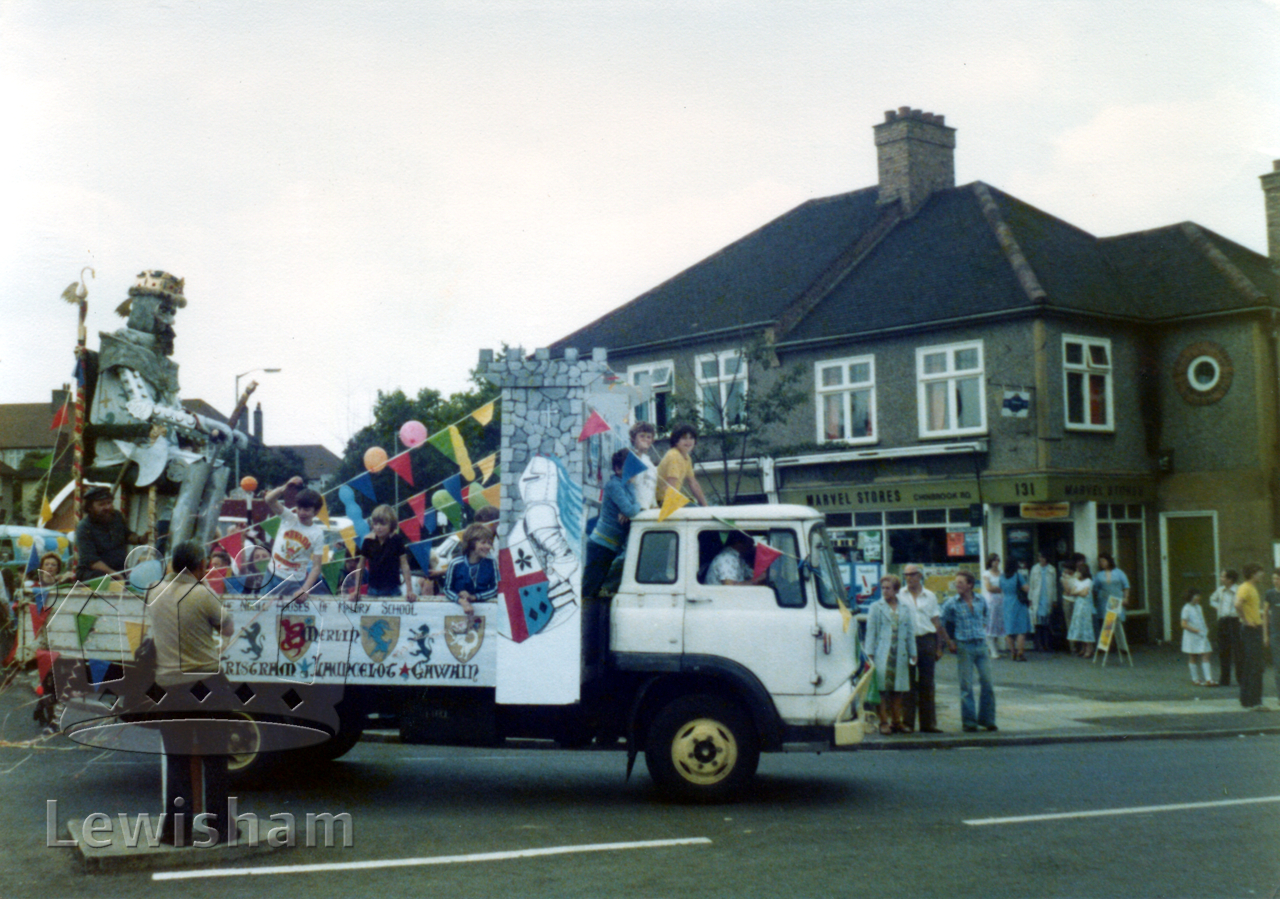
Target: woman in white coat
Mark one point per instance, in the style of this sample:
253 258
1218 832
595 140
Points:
891 643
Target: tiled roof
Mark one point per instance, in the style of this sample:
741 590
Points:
969 250
318 460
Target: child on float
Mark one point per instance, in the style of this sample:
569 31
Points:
644 484
472 576
384 558
1195 639
298 550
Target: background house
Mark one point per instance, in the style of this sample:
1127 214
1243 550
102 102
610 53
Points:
980 376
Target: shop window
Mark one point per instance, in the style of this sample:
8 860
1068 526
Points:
901 517
657 379
950 390
931 516
722 388
1086 373
846 400
868 519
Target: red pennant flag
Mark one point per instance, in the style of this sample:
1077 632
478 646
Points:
765 556
403 466
60 418
412 528
595 425
419 505
233 544
38 619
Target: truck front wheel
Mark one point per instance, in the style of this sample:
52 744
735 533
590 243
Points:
702 747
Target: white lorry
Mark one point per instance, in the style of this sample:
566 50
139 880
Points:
699 677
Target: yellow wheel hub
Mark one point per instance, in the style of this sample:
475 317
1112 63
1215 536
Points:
704 751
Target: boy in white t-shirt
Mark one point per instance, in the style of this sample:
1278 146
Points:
298 549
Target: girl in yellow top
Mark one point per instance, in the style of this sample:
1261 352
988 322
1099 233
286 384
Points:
676 468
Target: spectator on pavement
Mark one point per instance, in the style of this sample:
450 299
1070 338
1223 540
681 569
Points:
1223 601
891 644
965 616
1252 631
1017 609
1195 638
928 628
1042 590
1080 588
1272 634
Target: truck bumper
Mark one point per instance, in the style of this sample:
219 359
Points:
850 726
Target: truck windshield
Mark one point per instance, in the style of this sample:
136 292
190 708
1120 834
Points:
826 572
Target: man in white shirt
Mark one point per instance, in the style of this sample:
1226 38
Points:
730 568
928 625
1223 601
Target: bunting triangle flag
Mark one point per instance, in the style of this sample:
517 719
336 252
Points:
430 523
271 527
486 466
134 631
364 483
38 617
349 537
98 670
476 498
46 511
460 454
324 512
453 484
595 425
233 543
332 574
845 615
422 554
60 418
671 503
44 462
403 466
84 624
766 555
632 467
441 441
412 529
494 495
419 505
484 414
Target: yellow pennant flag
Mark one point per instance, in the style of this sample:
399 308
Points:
845 615
349 537
46 511
493 495
673 501
460 454
134 632
324 512
486 466
484 414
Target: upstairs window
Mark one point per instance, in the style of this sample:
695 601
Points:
722 388
656 378
951 390
1086 377
846 400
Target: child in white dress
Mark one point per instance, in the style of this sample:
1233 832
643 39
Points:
1195 639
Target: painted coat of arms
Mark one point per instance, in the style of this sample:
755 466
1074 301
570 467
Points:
464 642
295 634
378 635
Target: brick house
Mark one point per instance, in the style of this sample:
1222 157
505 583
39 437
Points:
983 377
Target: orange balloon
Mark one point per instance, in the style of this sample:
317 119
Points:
248 483
375 458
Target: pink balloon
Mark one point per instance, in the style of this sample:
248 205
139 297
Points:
412 433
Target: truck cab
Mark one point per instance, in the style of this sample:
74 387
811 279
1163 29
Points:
733 670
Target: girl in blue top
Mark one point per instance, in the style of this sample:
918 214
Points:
472 576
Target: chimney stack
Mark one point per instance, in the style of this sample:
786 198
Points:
257 424
1271 191
916 155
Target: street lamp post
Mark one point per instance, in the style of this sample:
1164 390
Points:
236 402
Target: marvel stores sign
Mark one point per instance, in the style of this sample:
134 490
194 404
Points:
896 496
326 641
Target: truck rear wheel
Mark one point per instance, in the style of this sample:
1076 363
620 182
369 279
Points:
702 748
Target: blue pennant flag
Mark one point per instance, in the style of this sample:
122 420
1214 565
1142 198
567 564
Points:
98 670
353 510
632 467
421 553
430 522
454 486
364 483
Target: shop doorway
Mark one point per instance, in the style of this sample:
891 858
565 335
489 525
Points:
1188 558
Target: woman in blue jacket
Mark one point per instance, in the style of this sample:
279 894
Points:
891 643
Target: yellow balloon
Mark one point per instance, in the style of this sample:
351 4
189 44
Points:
25 540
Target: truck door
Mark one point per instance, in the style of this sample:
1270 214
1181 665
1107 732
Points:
835 650
766 628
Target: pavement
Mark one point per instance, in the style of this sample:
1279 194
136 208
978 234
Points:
1060 698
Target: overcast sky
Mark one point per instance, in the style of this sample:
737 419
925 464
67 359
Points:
366 194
